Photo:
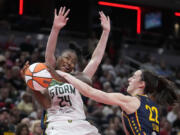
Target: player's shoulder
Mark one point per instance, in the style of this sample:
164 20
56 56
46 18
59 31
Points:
83 77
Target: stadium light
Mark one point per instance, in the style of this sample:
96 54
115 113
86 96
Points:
20 7
130 7
177 13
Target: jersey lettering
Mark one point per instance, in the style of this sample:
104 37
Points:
65 89
153 110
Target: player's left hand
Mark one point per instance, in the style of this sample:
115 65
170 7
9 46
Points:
25 67
105 21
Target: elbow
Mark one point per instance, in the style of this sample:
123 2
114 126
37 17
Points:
47 58
46 106
50 61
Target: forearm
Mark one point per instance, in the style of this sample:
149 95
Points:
97 55
81 86
51 46
42 99
90 92
99 50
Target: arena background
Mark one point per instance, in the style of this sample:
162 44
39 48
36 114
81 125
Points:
144 34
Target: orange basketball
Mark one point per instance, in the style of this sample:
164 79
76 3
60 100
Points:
37 77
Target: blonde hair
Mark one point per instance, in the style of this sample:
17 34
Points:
34 124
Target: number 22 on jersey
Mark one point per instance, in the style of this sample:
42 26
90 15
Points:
153 113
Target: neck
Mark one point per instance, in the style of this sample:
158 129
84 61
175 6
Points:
137 92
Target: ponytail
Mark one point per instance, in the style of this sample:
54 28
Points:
161 89
165 91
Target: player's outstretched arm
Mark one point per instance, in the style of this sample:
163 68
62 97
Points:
127 103
98 53
60 21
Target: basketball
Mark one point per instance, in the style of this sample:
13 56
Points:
37 76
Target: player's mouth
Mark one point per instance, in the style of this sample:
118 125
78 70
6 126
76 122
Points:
66 68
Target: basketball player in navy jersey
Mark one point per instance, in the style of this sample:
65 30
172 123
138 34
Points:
63 103
140 108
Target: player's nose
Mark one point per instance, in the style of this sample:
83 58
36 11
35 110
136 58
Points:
129 79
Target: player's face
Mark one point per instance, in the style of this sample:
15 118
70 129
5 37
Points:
67 62
135 82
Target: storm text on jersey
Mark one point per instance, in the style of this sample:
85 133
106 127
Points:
63 89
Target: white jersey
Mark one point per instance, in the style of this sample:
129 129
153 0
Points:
66 103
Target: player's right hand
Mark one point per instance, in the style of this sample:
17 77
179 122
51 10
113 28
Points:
105 21
22 71
61 18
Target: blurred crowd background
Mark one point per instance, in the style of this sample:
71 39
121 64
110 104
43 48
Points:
24 37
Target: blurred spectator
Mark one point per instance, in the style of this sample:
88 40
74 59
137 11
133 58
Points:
2 62
176 125
173 114
22 129
26 105
110 130
5 125
120 68
94 111
165 128
96 82
164 70
9 61
107 66
10 44
151 65
36 128
4 95
27 45
15 78
26 121
16 113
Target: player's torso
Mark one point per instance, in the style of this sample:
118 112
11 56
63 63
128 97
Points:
66 102
145 120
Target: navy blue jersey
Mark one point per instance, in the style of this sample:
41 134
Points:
145 121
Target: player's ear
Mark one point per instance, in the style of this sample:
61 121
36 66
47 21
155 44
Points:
58 62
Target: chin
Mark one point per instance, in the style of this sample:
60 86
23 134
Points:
128 90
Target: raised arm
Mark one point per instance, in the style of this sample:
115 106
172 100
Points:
98 53
127 103
60 21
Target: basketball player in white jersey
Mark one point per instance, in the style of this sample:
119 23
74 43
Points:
65 113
